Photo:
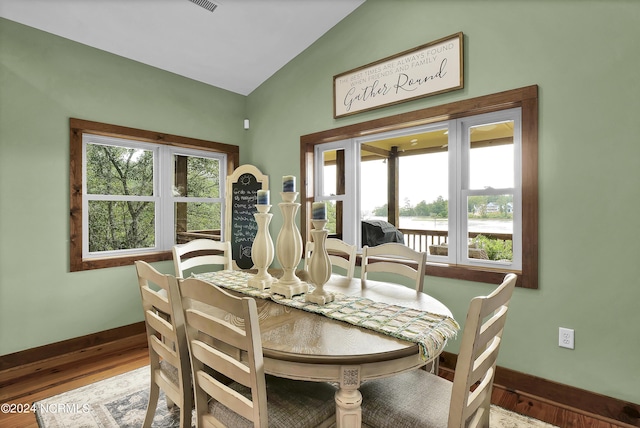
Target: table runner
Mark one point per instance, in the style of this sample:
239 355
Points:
430 331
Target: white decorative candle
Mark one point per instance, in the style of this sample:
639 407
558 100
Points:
263 197
319 211
288 183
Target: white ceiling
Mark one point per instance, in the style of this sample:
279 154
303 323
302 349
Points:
237 47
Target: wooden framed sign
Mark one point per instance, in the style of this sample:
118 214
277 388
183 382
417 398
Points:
241 227
430 69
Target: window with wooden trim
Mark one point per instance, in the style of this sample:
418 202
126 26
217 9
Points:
459 182
135 193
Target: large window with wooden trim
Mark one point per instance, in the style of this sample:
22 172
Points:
457 181
134 193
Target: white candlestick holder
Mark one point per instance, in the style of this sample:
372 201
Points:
289 249
262 249
319 265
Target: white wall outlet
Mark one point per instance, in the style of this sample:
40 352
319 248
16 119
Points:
565 338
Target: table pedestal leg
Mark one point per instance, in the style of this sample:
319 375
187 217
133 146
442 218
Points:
348 411
349 399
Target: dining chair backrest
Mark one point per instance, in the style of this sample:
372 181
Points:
478 355
227 363
395 258
340 253
201 252
419 398
206 332
168 350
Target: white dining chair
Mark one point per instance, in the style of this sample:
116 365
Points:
220 327
340 253
394 258
168 351
420 399
201 252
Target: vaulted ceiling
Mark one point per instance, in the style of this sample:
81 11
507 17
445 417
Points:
237 46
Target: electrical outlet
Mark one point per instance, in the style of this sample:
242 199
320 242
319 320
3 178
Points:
565 338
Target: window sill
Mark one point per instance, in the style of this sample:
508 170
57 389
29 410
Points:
476 274
107 262
470 273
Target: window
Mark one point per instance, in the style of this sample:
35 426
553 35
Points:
133 198
488 194
459 181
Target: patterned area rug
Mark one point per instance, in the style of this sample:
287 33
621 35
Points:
121 401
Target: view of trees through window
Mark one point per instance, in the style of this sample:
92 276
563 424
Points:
122 196
487 207
122 223
135 193
196 178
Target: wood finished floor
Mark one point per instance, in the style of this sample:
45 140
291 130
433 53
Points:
70 376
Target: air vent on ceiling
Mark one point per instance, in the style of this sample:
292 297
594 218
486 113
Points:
209 5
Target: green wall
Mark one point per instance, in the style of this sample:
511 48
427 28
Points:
45 80
584 57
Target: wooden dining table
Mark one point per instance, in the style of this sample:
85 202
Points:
301 345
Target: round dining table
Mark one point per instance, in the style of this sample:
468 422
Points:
306 346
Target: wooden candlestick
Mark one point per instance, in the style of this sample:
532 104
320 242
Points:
262 249
289 249
319 265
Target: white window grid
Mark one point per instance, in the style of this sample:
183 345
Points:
458 150
162 197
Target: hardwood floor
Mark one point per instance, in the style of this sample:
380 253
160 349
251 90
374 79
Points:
544 410
58 379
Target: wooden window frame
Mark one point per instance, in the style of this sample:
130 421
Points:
78 127
526 98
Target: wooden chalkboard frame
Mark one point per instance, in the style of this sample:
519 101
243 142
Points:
234 182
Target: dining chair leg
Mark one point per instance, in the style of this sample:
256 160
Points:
185 414
170 403
154 392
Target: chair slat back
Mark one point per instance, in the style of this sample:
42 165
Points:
340 253
217 324
166 337
395 258
199 253
478 355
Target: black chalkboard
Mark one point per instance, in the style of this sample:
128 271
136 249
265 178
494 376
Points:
242 191
243 224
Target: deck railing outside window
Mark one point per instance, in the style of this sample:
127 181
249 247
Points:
435 241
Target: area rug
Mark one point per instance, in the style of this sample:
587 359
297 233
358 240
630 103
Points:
121 401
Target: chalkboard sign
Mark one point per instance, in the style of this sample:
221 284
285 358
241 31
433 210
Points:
241 227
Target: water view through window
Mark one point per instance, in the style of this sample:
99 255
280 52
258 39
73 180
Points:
460 186
423 188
